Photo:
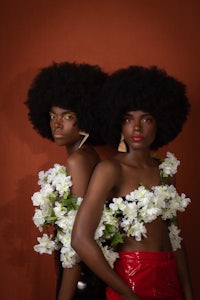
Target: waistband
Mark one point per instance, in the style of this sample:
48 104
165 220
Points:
139 255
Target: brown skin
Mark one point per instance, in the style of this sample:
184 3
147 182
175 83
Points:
80 165
118 177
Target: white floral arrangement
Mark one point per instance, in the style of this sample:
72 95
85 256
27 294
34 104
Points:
143 206
120 218
57 207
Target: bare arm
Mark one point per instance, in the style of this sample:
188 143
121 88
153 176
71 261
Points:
182 264
183 271
102 182
80 169
69 282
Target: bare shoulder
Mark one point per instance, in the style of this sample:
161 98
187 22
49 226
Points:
80 165
86 158
104 180
108 167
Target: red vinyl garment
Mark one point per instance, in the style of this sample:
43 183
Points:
151 275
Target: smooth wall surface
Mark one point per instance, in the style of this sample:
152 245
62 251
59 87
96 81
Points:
113 34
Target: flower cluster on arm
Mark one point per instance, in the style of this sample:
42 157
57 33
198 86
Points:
169 166
57 207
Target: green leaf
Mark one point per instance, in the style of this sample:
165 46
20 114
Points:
65 196
70 203
109 229
50 220
116 239
53 197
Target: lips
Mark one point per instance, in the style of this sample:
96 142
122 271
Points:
58 135
137 138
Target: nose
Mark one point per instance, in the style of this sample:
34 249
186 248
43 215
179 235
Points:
137 126
58 123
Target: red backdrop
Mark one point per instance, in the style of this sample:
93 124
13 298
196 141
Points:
113 34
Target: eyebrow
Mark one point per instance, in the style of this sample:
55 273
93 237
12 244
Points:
64 112
143 115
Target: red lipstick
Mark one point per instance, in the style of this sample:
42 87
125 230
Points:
137 138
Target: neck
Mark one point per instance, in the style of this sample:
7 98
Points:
74 146
140 158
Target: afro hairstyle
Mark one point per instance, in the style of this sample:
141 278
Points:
71 86
148 89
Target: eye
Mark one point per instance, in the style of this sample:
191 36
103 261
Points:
147 119
52 116
69 116
127 119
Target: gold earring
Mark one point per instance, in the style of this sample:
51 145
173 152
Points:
85 137
122 145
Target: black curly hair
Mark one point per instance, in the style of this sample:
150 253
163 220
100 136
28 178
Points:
70 86
148 89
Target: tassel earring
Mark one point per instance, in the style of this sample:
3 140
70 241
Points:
85 137
122 145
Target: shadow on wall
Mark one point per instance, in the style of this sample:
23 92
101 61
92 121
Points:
23 267
37 272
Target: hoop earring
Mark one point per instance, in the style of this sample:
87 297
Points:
85 137
122 145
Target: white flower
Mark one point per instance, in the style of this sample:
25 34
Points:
62 183
140 194
46 245
108 225
117 204
110 255
160 195
184 201
169 166
137 230
37 199
174 237
68 258
38 219
46 190
59 210
130 211
150 214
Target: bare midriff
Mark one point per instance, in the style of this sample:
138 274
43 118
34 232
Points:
157 239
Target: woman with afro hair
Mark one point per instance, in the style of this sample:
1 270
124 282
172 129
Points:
63 103
146 109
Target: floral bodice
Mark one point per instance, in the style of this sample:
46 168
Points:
144 205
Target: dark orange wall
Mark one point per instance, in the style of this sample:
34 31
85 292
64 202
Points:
113 34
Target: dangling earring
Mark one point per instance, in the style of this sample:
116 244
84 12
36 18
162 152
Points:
85 137
122 145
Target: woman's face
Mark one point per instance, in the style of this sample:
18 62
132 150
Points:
139 129
63 123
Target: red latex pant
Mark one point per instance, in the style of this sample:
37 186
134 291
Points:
151 275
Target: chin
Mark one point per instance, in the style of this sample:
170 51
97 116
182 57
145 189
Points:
60 143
